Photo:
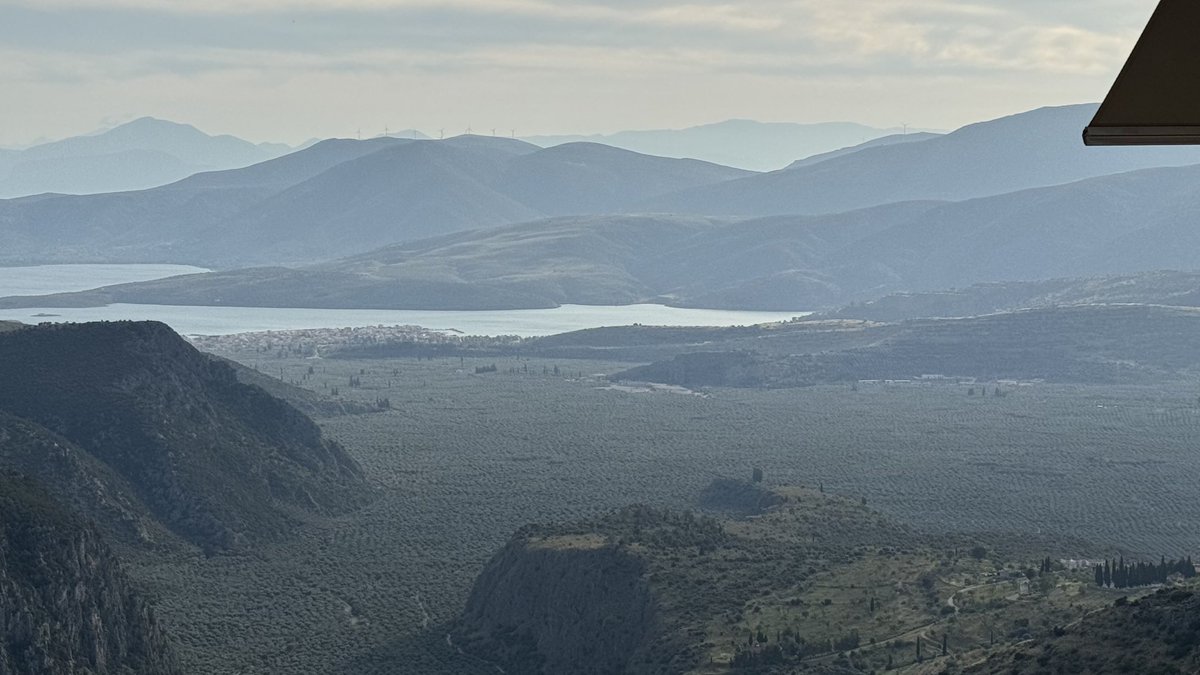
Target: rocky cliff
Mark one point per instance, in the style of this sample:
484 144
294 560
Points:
65 605
595 597
561 604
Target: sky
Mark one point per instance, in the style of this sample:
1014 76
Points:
289 70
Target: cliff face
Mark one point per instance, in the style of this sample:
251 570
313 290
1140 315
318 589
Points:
80 482
65 606
569 604
215 460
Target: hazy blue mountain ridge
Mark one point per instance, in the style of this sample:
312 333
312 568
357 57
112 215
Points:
340 198
746 144
144 153
1033 149
1128 223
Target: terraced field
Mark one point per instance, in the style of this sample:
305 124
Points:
464 459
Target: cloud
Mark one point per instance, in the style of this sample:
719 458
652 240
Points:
666 61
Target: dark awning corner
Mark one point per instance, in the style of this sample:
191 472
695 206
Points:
1156 98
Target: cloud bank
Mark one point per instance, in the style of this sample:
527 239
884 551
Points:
290 69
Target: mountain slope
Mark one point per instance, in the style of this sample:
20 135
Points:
542 264
1102 344
1130 223
757 146
65 605
150 225
1157 634
341 198
140 154
586 178
81 483
809 582
1180 289
894 139
1037 148
216 461
408 191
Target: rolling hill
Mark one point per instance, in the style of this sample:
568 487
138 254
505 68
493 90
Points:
1125 224
1103 344
141 154
341 198
757 146
1180 289
1032 149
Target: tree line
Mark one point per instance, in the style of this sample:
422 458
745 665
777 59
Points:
1120 574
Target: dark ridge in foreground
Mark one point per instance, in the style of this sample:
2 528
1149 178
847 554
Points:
169 430
65 605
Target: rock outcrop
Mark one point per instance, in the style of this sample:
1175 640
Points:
65 605
561 604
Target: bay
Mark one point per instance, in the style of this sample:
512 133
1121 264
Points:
229 320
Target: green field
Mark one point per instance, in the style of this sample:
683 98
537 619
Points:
463 460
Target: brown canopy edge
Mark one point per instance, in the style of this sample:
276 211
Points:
1156 98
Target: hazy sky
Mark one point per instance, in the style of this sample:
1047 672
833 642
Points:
292 69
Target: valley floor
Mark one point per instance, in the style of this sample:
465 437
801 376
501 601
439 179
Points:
464 459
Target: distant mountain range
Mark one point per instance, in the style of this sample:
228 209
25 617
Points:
746 144
482 223
1033 149
1114 225
342 198
144 153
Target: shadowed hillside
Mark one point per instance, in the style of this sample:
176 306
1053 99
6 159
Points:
1158 634
217 461
65 605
